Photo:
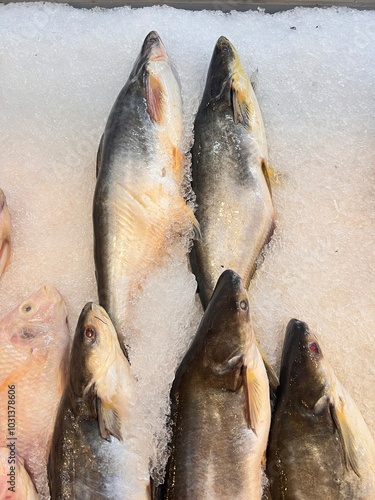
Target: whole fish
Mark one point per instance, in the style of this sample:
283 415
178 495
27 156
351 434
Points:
138 203
85 461
220 405
15 482
5 247
319 446
34 343
230 176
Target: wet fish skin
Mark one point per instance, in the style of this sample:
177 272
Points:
34 344
86 461
319 445
230 177
138 202
24 488
5 234
220 405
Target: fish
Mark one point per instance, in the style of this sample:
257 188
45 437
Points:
34 347
220 405
5 234
15 482
319 445
139 207
92 455
230 175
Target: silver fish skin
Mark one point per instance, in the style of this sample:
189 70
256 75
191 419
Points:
220 405
319 445
5 234
230 176
139 207
92 454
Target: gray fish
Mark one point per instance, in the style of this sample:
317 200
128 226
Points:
319 445
220 405
139 206
230 174
91 454
5 232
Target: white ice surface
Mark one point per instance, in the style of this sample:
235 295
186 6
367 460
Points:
60 72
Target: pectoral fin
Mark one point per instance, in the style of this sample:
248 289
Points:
272 377
241 106
109 423
253 399
346 436
4 255
154 98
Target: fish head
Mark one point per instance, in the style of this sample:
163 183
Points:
227 325
223 61
96 353
304 371
38 321
152 51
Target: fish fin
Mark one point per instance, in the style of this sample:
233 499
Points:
272 377
99 156
178 162
5 252
109 423
267 173
154 98
253 398
346 436
241 106
254 78
197 235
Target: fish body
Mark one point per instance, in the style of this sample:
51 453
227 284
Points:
34 343
220 405
319 445
138 203
5 232
230 177
15 482
91 454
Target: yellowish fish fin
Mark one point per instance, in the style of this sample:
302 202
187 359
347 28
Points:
154 98
267 172
4 255
109 422
272 377
241 106
99 156
253 399
346 436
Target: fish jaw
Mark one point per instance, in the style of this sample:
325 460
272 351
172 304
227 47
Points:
5 234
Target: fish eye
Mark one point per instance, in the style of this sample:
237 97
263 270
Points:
313 347
244 305
26 308
90 333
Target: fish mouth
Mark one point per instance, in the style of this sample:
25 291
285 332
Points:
297 336
153 47
228 280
